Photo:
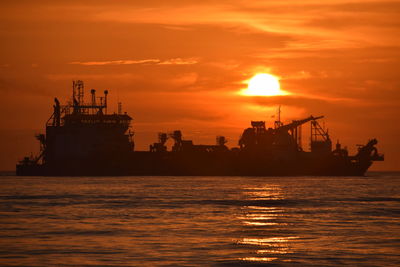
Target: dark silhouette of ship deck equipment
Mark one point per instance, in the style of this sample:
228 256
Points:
82 139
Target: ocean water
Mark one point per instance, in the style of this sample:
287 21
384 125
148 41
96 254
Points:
200 221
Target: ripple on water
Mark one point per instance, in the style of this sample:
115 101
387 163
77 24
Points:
200 221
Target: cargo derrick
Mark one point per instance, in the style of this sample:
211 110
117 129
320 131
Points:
282 137
368 152
276 150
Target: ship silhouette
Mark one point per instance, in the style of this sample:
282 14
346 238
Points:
83 140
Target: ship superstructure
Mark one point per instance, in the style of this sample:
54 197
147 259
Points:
83 139
81 135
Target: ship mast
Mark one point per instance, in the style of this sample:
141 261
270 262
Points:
79 107
278 122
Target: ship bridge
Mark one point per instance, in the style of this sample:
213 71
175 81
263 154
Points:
87 114
96 119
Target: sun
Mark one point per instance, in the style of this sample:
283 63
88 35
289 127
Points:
263 84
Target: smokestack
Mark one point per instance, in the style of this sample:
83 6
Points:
93 92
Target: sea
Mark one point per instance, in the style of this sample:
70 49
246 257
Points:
200 221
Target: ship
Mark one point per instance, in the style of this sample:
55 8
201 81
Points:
82 139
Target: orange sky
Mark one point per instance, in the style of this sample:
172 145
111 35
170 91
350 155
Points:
179 65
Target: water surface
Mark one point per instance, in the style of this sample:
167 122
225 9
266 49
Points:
200 221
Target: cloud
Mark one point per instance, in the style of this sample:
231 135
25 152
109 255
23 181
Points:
172 61
115 62
179 61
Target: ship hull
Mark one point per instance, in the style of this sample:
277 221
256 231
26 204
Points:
173 164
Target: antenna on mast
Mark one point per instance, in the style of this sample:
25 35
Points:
105 100
119 108
278 123
77 91
77 95
279 114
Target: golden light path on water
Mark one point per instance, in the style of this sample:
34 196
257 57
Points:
264 217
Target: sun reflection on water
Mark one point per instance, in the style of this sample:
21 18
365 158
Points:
258 259
265 218
259 223
271 242
273 251
266 193
261 216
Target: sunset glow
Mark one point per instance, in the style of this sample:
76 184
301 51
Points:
263 84
206 68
